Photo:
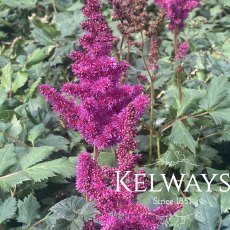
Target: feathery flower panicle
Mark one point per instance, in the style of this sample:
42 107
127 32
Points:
118 209
96 105
106 112
177 11
182 50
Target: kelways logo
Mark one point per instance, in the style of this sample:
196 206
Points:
191 182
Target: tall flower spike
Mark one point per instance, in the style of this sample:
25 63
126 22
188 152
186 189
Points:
177 11
98 100
118 209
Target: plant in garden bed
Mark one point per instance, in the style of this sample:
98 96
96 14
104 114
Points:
185 129
105 115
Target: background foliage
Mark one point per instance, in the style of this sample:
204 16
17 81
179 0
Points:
38 154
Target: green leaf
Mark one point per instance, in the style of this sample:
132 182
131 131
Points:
211 171
32 89
7 74
28 210
20 80
184 219
208 212
20 3
181 136
67 208
68 22
107 158
64 167
36 132
226 221
7 158
37 56
221 115
8 209
189 101
225 202
216 92
75 211
59 142
16 127
36 154
42 37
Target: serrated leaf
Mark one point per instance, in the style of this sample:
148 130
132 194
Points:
20 3
36 132
35 155
42 37
181 136
75 211
216 92
67 208
211 171
190 99
28 210
221 115
68 22
87 212
8 209
32 89
7 158
207 213
225 202
16 127
6 79
59 142
62 167
37 56
184 219
21 79
41 171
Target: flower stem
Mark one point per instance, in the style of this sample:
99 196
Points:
158 147
152 101
151 120
96 153
185 117
179 68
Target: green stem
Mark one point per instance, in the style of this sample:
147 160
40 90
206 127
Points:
96 153
185 117
151 121
179 68
14 139
158 147
210 135
54 6
40 221
152 101
120 50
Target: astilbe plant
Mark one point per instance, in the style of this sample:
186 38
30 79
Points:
106 113
101 101
177 11
118 209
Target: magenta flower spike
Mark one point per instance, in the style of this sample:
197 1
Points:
102 99
177 11
119 209
182 50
